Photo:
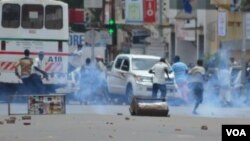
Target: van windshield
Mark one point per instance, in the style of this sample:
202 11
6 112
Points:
143 63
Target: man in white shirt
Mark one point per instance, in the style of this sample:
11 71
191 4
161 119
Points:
225 84
159 83
38 73
100 64
76 59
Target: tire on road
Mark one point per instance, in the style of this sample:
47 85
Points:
129 93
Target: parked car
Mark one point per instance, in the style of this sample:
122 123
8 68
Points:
130 76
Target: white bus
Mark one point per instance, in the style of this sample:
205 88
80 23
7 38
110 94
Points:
37 25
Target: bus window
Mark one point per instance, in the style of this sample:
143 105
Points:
11 16
53 17
32 16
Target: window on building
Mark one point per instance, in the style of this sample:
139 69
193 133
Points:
53 17
11 16
32 16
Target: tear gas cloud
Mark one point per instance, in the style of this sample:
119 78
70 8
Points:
224 81
92 85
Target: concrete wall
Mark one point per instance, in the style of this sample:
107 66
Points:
186 51
206 16
208 20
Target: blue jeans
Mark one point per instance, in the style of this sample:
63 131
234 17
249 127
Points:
161 87
26 87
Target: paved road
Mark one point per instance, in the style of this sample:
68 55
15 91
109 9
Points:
114 123
103 123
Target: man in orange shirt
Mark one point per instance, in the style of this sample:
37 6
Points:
25 65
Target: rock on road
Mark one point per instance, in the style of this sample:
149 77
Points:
114 123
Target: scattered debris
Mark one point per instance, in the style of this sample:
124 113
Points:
110 136
26 117
204 127
26 123
127 118
177 129
12 118
111 123
119 114
10 121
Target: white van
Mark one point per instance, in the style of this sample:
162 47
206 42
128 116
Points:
130 76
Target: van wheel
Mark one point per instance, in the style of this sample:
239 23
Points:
129 93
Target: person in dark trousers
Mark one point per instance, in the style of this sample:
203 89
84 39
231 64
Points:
247 101
39 73
25 65
196 83
159 82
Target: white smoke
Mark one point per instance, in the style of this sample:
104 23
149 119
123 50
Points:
92 85
219 75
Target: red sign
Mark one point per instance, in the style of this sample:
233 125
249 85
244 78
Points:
149 9
76 16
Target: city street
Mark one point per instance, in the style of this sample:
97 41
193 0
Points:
113 122
68 70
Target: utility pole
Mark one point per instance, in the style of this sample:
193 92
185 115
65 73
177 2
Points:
160 18
243 50
93 44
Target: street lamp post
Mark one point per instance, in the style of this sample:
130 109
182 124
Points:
160 17
243 50
93 44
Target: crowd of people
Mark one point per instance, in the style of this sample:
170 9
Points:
91 77
193 82
185 86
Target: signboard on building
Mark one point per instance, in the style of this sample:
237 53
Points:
100 39
134 11
183 30
76 16
76 39
93 3
222 23
247 28
107 11
149 10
